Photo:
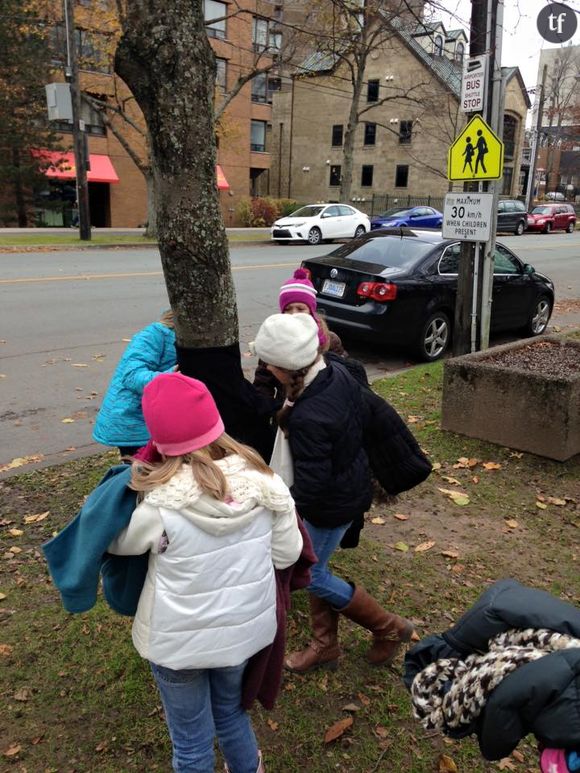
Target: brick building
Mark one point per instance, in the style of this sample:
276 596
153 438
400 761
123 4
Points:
401 146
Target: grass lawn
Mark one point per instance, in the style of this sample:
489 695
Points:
78 698
72 240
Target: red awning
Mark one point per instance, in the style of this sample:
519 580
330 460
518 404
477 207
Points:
222 183
63 166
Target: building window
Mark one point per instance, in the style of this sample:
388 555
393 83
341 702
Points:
92 49
507 180
405 132
401 176
337 135
370 134
459 52
260 88
373 91
221 74
258 136
510 125
438 46
335 173
366 178
264 36
214 10
93 119
274 84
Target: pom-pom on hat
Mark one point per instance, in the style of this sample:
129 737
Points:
298 289
180 414
288 341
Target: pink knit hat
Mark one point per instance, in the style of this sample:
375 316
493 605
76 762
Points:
180 414
298 289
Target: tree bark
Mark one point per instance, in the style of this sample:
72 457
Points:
349 136
19 198
151 230
165 58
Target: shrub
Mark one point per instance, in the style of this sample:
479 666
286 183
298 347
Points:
244 211
264 211
287 206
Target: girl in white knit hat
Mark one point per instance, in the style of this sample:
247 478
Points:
322 419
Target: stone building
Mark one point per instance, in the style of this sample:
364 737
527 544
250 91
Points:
401 144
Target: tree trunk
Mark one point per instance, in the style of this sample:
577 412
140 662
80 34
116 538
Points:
19 197
349 138
165 58
151 230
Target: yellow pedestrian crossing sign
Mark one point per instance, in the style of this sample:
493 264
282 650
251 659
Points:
477 154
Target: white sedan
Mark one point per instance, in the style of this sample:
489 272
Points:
316 222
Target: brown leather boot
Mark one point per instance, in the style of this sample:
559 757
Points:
323 650
388 630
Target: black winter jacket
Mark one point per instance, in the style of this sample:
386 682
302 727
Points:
332 483
541 697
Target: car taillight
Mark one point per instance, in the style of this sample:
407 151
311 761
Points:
377 291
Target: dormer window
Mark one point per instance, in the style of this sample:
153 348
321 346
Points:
438 46
459 52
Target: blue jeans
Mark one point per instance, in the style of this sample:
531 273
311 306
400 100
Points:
324 584
200 703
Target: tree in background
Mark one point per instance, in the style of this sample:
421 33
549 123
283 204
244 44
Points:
24 70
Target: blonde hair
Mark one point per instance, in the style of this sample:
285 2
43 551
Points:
209 476
323 327
168 319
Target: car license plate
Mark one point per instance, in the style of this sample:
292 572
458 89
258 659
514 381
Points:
336 289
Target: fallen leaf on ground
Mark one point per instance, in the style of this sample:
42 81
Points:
402 546
336 730
5 650
541 505
36 518
68 420
517 755
459 497
475 479
351 707
363 699
273 725
15 532
446 764
12 750
424 546
506 764
491 466
2 596
450 553
413 419
512 524
20 461
381 731
378 520
23 694
436 465
80 365
15 550
401 517
465 463
100 747
449 479
556 501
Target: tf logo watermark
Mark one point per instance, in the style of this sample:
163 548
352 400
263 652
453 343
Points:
557 23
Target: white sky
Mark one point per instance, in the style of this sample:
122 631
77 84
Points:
522 43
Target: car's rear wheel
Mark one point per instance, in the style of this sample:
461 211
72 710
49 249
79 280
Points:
435 337
314 236
548 228
540 316
570 228
520 228
360 231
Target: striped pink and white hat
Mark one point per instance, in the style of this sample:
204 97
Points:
298 289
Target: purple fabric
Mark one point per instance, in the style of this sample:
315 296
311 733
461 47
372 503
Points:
263 675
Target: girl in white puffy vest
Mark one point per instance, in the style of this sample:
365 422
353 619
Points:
216 521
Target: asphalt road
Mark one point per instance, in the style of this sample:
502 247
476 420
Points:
65 318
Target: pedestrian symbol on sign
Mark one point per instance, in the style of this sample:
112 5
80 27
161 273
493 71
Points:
476 154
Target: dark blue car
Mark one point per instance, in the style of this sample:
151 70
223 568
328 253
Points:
417 217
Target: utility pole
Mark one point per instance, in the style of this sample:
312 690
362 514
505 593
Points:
79 137
464 304
536 139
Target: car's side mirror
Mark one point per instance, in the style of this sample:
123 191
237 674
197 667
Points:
529 269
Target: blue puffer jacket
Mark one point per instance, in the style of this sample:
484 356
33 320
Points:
120 420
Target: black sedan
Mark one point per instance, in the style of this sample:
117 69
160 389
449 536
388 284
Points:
398 287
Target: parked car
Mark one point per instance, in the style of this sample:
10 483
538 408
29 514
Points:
316 222
555 196
549 217
398 287
417 217
512 216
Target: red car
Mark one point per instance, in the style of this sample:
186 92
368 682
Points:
549 217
